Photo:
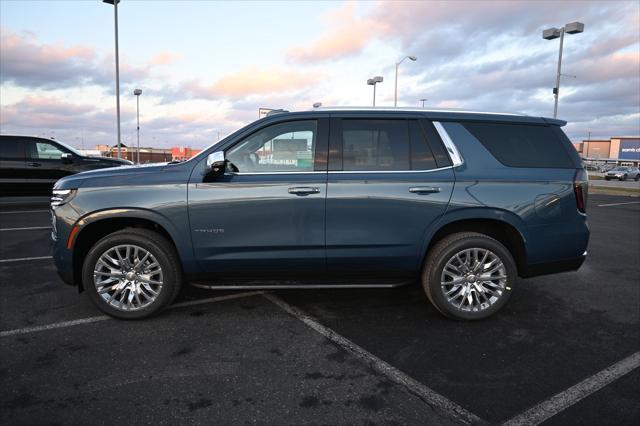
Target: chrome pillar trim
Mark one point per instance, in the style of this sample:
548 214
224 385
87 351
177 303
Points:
455 155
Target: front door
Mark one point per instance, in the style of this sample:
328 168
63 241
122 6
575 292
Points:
386 187
264 219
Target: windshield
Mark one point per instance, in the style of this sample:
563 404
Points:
620 169
70 148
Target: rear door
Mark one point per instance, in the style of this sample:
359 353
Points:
13 176
389 181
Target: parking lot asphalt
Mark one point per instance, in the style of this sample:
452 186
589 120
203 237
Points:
344 356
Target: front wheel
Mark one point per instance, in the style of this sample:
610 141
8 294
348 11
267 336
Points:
623 178
469 276
637 178
132 274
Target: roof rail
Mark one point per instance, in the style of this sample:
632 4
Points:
276 111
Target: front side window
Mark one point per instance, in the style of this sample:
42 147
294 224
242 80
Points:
375 145
283 147
45 151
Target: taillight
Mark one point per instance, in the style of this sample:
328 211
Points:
581 189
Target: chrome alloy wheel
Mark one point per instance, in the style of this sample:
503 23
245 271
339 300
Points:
128 277
473 279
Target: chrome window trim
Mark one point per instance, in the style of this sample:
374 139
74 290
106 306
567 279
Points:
272 173
456 157
390 171
338 172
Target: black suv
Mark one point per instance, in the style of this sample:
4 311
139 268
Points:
30 165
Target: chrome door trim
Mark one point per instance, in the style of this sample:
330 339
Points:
455 155
390 171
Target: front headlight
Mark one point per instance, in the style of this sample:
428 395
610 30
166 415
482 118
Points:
62 196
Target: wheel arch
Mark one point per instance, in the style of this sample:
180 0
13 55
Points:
501 225
97 225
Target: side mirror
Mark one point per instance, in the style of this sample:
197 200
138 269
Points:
66 158
216 164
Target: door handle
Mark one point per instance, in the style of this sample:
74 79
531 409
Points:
35 164
424 189
304 190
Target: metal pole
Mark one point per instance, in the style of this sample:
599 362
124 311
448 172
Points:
138 123
395 93
115 9
374 94
557 91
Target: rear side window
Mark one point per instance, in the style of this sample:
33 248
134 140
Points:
11 149
375 145
522 145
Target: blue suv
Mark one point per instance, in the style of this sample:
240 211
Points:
463 202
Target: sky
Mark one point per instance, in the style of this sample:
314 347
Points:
205 67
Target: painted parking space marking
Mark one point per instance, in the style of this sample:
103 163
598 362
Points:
569 397
28 228
431 397
22 259
89 320
618 204
25 211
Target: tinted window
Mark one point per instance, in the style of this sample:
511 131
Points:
11 149
283 147
375 145
522 145
421 154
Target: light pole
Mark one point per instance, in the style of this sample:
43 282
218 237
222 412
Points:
372 82
423 100
115 14
395 96
137 93
553 33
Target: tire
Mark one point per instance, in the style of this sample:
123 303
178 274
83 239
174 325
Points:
607 178
637 178
623 178
444 252
144 282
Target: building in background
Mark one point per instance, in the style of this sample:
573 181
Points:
147 155
618 150
183 153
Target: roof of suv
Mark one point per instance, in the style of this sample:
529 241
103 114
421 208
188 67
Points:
436 114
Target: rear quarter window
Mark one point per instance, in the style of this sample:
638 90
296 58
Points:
523 145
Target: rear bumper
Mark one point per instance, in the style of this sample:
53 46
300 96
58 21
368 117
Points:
547 268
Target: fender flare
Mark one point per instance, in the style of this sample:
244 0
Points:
473 213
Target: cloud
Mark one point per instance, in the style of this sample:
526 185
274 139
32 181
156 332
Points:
347 35
164 58
27 62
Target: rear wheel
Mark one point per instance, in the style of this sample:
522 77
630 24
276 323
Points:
132 273
469 276
637 177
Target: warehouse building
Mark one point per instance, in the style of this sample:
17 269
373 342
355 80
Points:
616 150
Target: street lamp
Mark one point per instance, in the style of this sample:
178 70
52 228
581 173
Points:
372 82
137 93
423 100
395 96
553 33
115 14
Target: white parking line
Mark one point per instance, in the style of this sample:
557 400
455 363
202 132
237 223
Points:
25 228
569 397
618 204
21 259
90 320
431 397
25 211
